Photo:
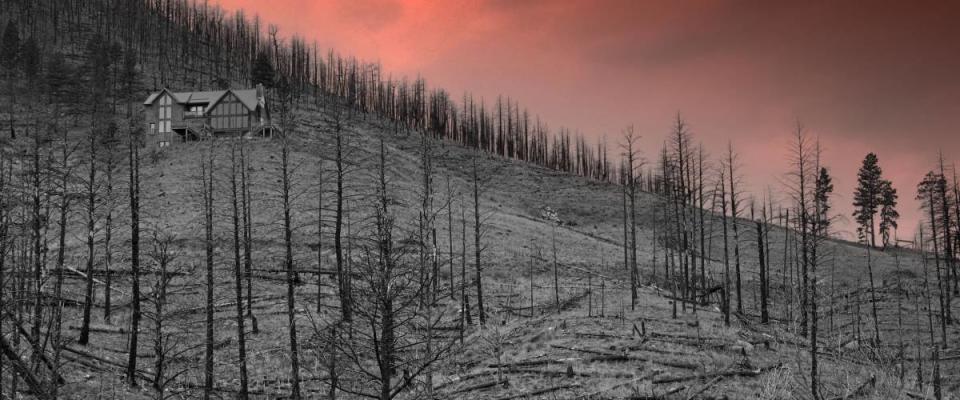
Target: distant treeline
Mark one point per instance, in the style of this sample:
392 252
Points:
198 46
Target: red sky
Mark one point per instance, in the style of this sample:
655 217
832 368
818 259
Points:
881 76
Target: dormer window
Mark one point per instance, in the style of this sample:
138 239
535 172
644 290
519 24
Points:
195 110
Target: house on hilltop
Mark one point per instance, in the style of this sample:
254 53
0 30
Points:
185 116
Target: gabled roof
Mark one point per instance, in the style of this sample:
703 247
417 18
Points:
154 96
248 97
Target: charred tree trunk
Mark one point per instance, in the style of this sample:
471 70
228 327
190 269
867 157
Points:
764 316
343 281
91 226
206 168
238 275
246 206
476 242
134 155
107 235
726 253
291 277
734 205
936 257
319 237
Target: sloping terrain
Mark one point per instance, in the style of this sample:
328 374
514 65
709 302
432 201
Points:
557 327
595 345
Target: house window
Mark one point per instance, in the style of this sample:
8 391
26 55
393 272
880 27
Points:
153 127
165 114
230 114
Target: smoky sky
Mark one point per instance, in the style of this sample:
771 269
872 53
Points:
862 76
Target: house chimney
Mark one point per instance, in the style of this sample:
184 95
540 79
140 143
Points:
262 102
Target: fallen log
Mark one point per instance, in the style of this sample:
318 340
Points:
330 272
604 356
704 388
617 385
663 396
221 307
599 335
746 373
531 363
35 347
652 350
624 357
37 387
480 386
101 329
602 353
103 272
140 373
540 391
860 391
463 378
547 372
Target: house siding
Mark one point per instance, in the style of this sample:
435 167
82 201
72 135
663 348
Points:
230 114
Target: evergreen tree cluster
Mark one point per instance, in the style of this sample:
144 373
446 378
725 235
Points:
874 194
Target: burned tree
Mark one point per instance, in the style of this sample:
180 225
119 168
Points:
134 188
733 180
291 278
819 232
238 273
631 159
207 194
390 290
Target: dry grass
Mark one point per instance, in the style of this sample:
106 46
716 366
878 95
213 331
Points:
588 246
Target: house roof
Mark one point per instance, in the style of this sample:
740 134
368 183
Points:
248 97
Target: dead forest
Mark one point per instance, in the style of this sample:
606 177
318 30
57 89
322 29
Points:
400 241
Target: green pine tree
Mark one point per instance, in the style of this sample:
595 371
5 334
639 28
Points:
821 197
263 72
9 57
30 59
57 79
866 198
10 47
888 211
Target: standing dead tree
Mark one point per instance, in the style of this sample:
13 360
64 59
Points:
109 165
726 249
246 204
948 242
207 194
91 211
168 341
733 179
287 123
481 176
476 241
238 273
761 253
343 276
630 147
819 232
927 194
394 331
799 187
134 186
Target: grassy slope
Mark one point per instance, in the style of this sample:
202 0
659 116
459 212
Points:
588 249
